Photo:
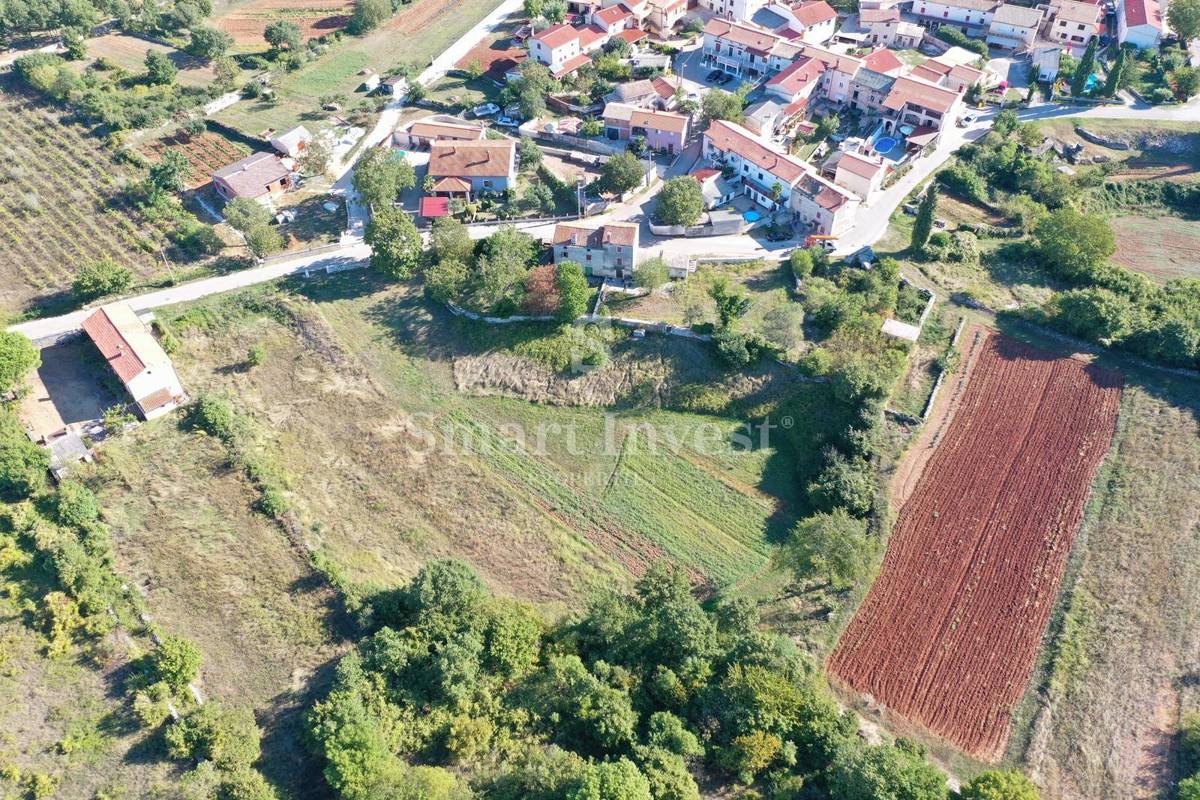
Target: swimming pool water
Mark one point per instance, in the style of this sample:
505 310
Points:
751 216
885 144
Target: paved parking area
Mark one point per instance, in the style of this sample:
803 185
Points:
689 66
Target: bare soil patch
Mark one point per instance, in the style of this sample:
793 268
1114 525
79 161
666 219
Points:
948 634
1163 247
206 153
247 22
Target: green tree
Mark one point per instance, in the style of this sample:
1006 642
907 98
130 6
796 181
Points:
844 483
100 279
720 104
368 15
530 90
449 239
23 464
873 773
1073 243
612 780
800 262
209 43
244 214
167 176
264 240
1189 742
18 357
230 738
1087 65
381 174
246 784
176 662
1117 73
573 292
651 274
832 547
315 158
621 173
783 325
530 154
732 304
395 243
1184 18
533 8
160 71
1187 82
283 34
1189 788
680 202
1092 313
446 280
923 226
554 11
999 785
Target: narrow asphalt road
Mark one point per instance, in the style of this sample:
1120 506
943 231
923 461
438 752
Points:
47 330
871 224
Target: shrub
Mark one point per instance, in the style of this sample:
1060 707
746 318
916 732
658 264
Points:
651 274
75 506
175 662
100 279
680 202
227 737
999 785
23 464
216 417
18 357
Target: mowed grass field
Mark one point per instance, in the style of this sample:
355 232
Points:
64 205
1120 669
129 53
1163 247
415 35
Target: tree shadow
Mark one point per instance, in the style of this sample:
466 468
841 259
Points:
286 760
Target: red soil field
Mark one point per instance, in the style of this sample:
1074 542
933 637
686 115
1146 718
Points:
948 634
495 57
206 153
316 18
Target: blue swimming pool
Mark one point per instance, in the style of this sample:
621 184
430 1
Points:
1093 81
885 144
751 216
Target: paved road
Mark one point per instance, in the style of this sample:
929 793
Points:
41 330
871 224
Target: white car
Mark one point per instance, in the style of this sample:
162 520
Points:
507 122
485 110
966 119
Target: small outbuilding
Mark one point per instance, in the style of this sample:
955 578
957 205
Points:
136 357
293 142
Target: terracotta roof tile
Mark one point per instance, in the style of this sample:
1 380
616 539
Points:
727 137
483 159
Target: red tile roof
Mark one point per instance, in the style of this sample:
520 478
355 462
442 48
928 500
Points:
797 75
1143 12
590 35
483 159
632 35
570 65
610 15
556 36
860 165
727 137
813 13
251 176
115 348
745 35
451 184
444 130
435 206
919 93
882 60
872 15
614 233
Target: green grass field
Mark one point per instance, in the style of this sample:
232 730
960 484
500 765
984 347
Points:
414 36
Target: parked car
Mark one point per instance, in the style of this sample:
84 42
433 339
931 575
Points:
507 122
967 119
485 110
726 77
714 76
778 234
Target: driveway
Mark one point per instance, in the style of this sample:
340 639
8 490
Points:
1013 69
68 388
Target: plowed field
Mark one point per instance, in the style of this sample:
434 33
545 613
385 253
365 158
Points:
948 634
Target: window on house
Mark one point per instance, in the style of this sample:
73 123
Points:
589 256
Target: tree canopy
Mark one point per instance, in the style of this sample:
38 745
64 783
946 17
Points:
381 174
680 201
395 243
18 357
621 173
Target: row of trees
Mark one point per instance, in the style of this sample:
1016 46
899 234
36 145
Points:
631 701
1110 305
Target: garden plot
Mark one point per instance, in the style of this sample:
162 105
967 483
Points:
65 206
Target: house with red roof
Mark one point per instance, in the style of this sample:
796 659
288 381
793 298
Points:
662 130
608 251
917 103
1075 23
471 167
885 27
1140 23
826 208
614 19
665 15
136 357
766 174
564 48
860 173
810 21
